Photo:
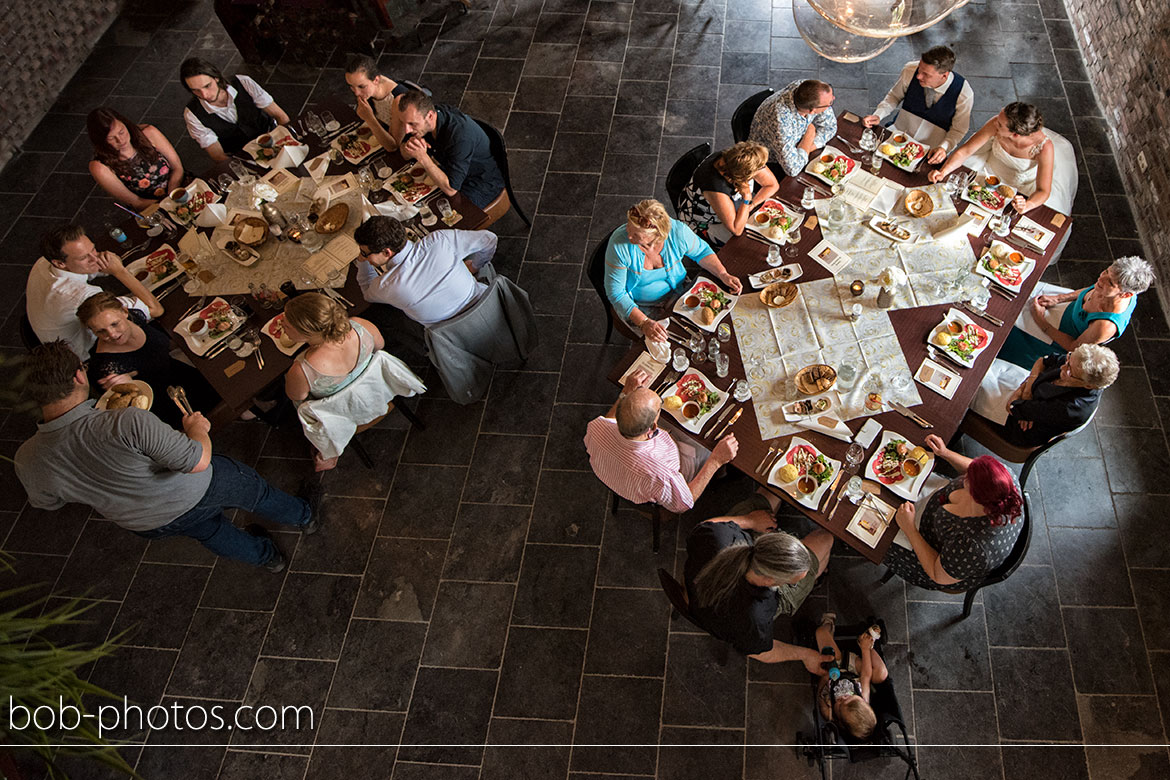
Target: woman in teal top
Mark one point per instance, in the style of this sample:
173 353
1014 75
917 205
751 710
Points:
1094 315
644 264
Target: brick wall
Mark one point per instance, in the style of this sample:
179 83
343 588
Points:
1126 49
42 43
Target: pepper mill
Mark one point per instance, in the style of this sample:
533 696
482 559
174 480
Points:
885 298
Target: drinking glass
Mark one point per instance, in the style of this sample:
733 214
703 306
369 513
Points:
853 489
154 224
680 361
868 140
365 178
713 349
741 392
774 256
853 455
314 124
898 384
846 373
722 365
875 164
1000 224
723 332
951 185
980 298
808 199
792 248
855 312
330 123
444 207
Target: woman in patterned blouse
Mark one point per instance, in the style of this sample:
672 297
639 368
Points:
135 164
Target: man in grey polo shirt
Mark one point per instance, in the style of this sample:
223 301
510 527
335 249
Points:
142 474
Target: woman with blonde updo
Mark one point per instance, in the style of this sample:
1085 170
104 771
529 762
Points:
644 265
718 199
340 348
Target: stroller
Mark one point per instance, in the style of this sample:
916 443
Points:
831 742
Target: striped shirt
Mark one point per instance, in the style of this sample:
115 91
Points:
638 471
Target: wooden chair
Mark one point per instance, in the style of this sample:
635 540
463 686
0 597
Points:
507 198
596 272
652 510
355 443
741 120
1003 571
984 431
681 172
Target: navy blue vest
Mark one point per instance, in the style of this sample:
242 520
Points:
943 111
250 121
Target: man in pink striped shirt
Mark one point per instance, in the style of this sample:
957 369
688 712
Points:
641 462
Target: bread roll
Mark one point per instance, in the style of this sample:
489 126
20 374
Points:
141 401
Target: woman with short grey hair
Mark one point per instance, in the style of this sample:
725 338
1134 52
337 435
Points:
1099 366
1060 320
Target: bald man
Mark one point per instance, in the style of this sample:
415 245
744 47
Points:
640 461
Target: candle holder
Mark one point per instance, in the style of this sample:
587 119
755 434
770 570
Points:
857 287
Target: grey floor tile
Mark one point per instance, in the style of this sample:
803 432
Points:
945 654
541 675
285 680
552 581
767 705
312 615
451 706
160 603
1082 558
617 710
1105 646
628 633
394 649
1024 611
700 690
423 501
707 753
217 658
401 579
1022 714
510 762
468 625
354 727
955 718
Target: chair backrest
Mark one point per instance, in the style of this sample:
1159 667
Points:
596 269
682 170
1018 551
741 120
499 151
1034 455
677 595
27 334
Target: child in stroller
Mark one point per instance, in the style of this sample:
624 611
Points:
844 698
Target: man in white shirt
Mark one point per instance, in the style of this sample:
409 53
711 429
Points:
60 281
224 116
430 280
935 103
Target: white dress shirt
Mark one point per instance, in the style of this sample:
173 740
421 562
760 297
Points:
427 280
52 296
205 137
926 132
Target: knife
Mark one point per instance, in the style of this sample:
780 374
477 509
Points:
730 423
902 410
833 487
169 290
682 324
995 288
722 416
992 319
222 345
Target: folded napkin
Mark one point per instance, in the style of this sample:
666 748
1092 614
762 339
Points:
213 214
659 350
956 232
318 166
839 430
291 156
390 208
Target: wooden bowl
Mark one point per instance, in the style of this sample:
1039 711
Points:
333 219
918 203
778 295
255 222
815 379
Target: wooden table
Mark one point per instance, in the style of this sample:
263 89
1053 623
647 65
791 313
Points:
743 256
238 390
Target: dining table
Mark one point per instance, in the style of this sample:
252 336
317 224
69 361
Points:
238 379
896 341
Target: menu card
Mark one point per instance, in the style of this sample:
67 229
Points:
336 255
832 258
864 191
645 363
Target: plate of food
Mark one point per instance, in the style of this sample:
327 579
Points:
126 394
817 378
705 304
157 268
900 465
804 472
785 273
779 294
1006 266
275 330
190 205
208 326
357 145
808 407
989 193
890 228
411 184
266 148
772 222
692 400
902 151
831 166
1032 233
960 338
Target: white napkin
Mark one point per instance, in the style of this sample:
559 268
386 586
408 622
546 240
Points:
291 156
956 232
659 350
933 483
318 166
839 430
390 208
213 215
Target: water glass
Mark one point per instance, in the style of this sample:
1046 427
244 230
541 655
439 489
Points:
855 312
723 332
365 178
1000 224
868 140
713 349
314 124
444 207
741 392
330 123
846 374
951 185
875 164
774 256
808 199
853 489
793 241
680 362
980 298
722 365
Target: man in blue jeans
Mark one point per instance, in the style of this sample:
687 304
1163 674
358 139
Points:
142 474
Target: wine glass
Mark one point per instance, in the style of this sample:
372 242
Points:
792 242
853 455
330 123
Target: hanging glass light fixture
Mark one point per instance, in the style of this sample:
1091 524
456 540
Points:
833 42
884 18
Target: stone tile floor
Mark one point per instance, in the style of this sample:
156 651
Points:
471 587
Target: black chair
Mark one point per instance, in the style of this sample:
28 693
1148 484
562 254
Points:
499 151
984 431
27 335
355 443
652 510
999 573
682 171
677 595
889 739
741 120
596 272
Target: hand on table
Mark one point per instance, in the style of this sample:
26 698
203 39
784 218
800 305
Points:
195 424
636 380
905 516
733 283
936 175
652 330
936 444
870 120
110 380
726 450
937 155
1021 205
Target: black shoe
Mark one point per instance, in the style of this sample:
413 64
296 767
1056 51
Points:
277 562
312 493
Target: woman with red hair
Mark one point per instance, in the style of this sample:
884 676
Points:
966 528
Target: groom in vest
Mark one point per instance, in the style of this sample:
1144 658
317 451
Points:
935 103
223 116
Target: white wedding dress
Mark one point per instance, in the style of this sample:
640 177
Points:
1020 172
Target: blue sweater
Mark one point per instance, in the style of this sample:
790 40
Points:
627 282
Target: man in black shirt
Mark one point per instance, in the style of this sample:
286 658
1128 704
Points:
454 149
740 577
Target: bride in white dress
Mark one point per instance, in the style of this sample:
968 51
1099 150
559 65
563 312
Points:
1014 146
